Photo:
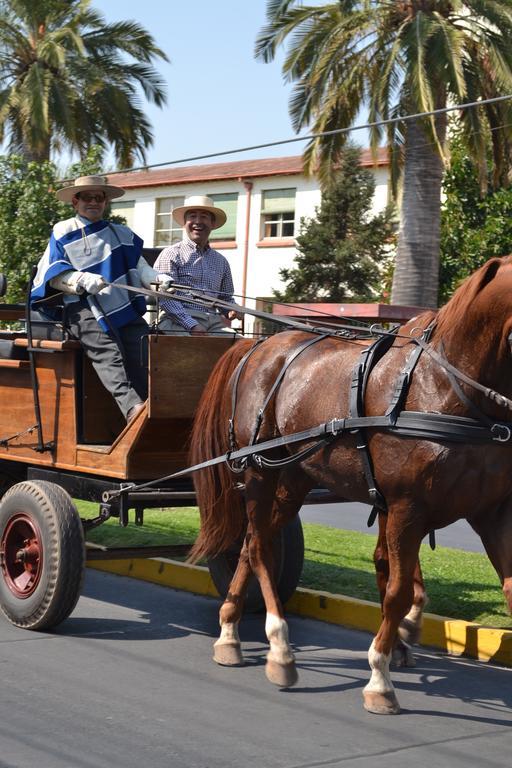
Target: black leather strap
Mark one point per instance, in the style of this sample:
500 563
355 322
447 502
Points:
360 375
234 392
427 426
404 380
289 360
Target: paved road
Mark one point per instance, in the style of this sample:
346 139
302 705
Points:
353 517
128 681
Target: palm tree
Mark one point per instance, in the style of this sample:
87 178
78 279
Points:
68 79
398 58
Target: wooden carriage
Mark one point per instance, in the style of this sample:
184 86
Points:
63 437
82 430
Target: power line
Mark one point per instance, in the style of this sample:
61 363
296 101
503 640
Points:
399 119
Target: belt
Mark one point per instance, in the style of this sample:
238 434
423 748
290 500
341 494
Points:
204 312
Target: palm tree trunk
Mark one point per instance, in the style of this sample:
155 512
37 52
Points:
416 275
35 155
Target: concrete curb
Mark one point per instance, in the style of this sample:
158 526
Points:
452 635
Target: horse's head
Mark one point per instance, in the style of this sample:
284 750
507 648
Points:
497 302
475 331
478 318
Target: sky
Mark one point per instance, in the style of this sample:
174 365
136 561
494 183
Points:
219 97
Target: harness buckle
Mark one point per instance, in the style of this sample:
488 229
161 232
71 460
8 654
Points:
333 429
502 437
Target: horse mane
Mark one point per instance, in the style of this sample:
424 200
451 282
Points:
223 518
453 315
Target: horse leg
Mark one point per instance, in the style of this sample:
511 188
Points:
227 650
272 500
495 529
410 626
402 545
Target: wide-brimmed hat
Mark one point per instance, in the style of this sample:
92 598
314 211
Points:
199 203
89 184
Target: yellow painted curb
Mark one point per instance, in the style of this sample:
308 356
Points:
167 573
452 635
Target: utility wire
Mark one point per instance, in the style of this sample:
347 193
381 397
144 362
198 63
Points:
399 119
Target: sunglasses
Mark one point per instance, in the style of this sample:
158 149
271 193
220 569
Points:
88 197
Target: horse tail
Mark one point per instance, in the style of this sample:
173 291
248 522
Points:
221 507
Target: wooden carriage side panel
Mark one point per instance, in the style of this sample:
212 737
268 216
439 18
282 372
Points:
179 368
17 409
155 444
56 377
161 448
57 388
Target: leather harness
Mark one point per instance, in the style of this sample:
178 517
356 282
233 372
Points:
426 426
429 426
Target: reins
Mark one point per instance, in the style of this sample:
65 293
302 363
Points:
496 397
198 297
426 426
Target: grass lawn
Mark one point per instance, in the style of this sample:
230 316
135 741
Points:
460 584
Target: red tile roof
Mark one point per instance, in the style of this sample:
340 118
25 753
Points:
241 169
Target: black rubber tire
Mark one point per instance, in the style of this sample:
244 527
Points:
48 510
288 562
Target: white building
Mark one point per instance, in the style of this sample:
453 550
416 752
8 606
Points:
265 201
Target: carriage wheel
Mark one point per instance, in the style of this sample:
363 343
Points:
288 562
42 555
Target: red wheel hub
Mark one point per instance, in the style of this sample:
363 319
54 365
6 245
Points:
21 555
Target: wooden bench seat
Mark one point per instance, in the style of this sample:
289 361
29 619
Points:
8 363
48 344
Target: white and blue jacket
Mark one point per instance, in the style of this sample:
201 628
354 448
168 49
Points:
103 248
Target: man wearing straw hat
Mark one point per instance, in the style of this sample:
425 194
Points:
84 255
193 263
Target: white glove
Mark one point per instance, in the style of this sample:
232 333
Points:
67 282
76 282
164 281
150 276
90 283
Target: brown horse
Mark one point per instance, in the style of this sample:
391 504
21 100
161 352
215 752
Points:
427 483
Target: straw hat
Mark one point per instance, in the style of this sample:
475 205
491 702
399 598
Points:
89 184
199 203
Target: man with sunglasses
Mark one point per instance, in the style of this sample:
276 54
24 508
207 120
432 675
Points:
85 255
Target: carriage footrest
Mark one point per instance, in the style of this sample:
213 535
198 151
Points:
94 447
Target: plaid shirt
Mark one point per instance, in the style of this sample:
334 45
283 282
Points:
187 265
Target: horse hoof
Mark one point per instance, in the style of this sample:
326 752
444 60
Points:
283 675
228 654
381 703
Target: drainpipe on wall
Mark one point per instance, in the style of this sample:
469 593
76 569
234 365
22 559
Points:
248 186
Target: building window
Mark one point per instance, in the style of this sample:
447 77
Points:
126 209
228 201
278 213
167 231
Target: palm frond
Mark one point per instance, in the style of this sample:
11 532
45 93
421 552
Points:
390 57
58 61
